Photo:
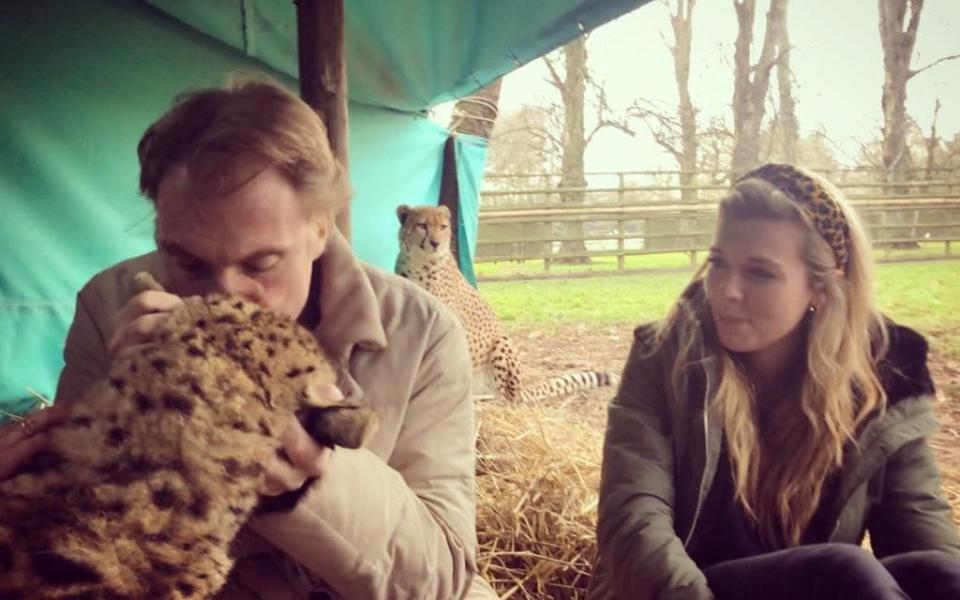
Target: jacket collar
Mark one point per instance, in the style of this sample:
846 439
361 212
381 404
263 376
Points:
349 310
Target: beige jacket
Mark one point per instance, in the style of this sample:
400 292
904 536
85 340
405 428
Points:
393 520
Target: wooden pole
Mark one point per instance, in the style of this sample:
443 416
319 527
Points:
323 76
450 193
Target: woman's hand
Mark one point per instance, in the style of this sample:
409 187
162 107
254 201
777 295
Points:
140 317
304 457
21 439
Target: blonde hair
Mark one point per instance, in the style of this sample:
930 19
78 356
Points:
782 455
226 136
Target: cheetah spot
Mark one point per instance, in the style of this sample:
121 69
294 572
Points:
178 403
116 436
60 570
164 568
82 422
163 498
199 507
185 588
144 402
6 557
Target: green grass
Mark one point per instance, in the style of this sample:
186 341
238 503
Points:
923 295
671 260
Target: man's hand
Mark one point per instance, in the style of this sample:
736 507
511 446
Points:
304 457
140 317
20 440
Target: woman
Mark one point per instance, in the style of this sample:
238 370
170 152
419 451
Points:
772 419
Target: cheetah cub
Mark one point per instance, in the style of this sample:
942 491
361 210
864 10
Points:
425 258
157 467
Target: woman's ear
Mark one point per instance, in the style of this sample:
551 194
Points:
820 295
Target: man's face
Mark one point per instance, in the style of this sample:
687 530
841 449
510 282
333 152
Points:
257 241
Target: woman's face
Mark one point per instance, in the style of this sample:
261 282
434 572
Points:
757 283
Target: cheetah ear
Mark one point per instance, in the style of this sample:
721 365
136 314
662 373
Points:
145 281
444 210
402 211
341 424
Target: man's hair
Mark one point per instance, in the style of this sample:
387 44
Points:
226 136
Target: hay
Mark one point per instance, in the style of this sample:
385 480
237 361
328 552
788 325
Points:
538 472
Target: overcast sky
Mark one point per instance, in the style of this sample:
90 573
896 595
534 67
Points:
837 61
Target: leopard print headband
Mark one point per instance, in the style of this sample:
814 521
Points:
815 201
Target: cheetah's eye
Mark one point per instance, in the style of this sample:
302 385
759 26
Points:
422 225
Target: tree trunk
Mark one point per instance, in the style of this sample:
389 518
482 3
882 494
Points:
683 36
574 143
477 114
898 43
749 92
474 115
932 143
789 126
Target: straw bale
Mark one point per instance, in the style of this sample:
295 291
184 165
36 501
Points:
538 472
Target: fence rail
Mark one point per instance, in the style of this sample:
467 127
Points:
526 223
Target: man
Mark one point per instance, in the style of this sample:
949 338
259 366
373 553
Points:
245 189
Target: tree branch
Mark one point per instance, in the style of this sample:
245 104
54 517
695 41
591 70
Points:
555 78
933 64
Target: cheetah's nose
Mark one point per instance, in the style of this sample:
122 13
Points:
434 243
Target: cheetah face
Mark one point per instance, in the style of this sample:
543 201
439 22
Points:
424 231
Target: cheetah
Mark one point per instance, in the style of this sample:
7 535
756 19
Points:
156 469
426 259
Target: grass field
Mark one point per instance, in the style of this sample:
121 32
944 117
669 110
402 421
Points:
924 295
674 260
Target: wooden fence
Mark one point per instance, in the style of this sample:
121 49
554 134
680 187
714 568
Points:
522 221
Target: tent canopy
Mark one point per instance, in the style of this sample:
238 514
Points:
409 54
81 81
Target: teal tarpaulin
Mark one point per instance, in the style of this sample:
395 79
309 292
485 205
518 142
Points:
471 156
408 54
80 81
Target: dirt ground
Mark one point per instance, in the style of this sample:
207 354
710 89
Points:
552 350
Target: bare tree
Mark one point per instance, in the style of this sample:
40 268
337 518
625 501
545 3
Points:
572 87
527 141
675 130
682 23
789 126
898 35
898 46
715 149
933 143
751 82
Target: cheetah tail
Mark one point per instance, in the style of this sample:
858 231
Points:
568 383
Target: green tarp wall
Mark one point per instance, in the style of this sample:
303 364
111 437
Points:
80 81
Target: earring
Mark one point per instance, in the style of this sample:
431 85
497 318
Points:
812 309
